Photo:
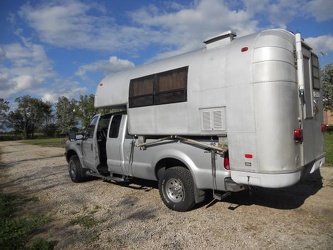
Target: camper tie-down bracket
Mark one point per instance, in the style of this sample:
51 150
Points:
219 150
214 150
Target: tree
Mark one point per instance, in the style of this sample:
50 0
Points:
4 107
327 81
65 115
85 109
30 114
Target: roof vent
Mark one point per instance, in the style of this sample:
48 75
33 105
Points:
219 40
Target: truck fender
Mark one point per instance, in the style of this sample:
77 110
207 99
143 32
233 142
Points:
179 158
70 152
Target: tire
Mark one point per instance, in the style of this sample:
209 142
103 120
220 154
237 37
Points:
76 172
177 189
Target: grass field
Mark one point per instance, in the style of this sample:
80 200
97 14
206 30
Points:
329 148
49 142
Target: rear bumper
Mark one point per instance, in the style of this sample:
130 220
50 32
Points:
276 180
271 180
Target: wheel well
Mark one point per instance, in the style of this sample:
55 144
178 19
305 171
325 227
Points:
166 163
162 165
69 154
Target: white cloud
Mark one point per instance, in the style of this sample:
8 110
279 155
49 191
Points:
186 28
24 82
321 44
75 24
70 89
81 24
322 10
71 24
110 66
24 67
280 12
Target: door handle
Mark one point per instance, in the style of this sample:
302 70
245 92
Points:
91 147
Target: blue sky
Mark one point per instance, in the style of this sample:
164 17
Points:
59 48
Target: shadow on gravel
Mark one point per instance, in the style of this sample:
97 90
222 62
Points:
283 198
44 179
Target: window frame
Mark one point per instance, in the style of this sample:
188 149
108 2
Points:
315 68
157 97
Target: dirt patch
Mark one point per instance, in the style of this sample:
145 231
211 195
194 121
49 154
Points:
102 215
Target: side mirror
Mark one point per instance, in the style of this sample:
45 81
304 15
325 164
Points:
72 135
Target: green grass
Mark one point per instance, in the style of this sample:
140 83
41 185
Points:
87 220
16 231
329 148
48 142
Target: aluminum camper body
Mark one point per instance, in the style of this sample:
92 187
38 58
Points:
257 98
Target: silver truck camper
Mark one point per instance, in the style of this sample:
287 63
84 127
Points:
239 112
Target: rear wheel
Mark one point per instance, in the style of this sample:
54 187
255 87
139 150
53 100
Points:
177 189
76 172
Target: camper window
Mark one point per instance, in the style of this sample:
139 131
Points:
171 86
161 88
315 72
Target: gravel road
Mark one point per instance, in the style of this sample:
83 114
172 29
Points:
102 215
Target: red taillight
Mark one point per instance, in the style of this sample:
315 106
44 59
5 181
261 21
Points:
323 128
248 156
298 134
244 49
226 162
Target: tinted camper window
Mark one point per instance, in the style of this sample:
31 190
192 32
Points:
315 72
161 88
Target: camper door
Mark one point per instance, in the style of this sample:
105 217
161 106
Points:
311 105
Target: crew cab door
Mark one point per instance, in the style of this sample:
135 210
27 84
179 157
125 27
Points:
89 146
114 144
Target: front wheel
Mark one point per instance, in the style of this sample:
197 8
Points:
177 189
76 172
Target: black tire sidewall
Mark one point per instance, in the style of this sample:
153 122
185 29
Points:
75 165
184 176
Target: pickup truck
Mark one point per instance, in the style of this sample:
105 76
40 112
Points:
184 167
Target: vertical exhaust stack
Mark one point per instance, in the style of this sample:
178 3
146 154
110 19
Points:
220 40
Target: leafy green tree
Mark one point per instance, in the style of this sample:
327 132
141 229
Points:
327 81
85 109
65 114
30 115
4 107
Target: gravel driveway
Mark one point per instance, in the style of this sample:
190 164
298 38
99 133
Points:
102 215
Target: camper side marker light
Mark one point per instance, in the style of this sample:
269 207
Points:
244 49
101 84
323 128
298 134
